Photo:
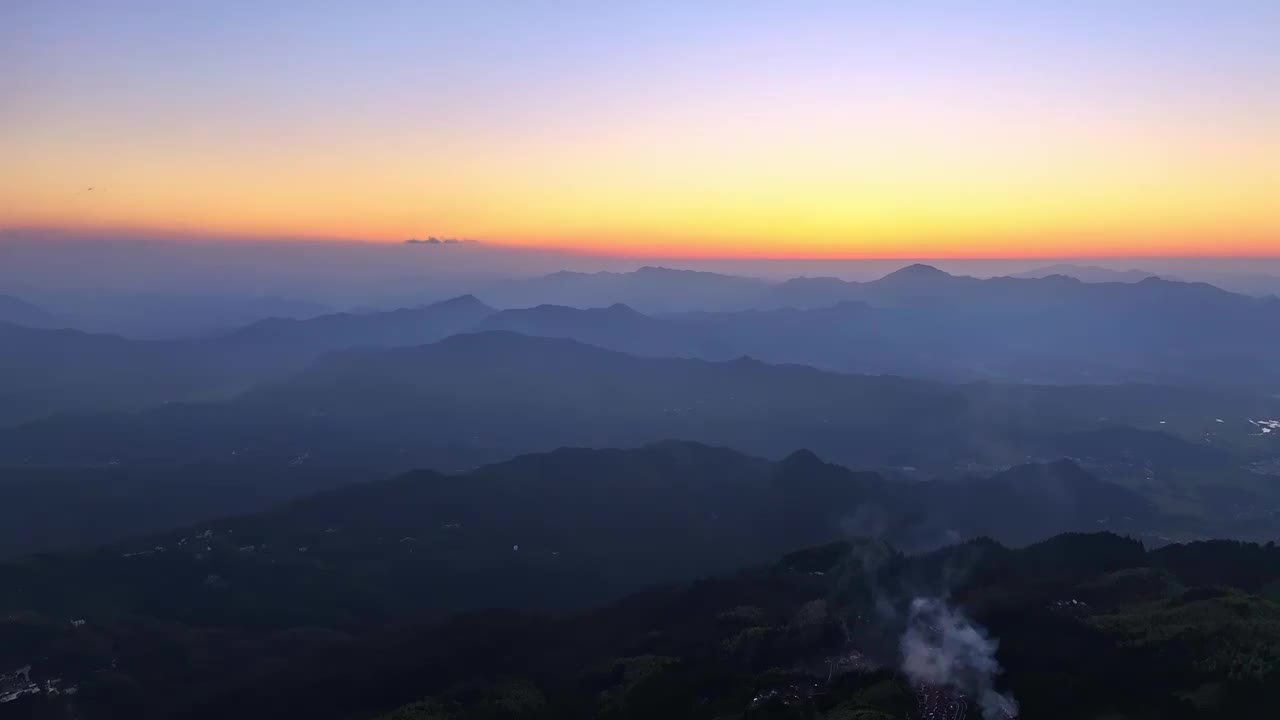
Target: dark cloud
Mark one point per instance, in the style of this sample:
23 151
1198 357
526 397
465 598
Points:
438 241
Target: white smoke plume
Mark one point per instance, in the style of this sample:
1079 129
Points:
943 648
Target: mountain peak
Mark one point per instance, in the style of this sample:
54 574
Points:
802 458
658 271
622 309
462 301
916 273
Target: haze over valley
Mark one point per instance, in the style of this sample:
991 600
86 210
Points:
661 361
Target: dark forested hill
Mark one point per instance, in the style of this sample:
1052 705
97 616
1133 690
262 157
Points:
599 521
486 396
45 509
1027 502
1076 626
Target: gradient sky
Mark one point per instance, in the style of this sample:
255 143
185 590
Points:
801 129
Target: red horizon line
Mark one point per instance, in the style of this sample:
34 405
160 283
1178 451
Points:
187 235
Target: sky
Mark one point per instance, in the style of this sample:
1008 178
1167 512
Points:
680 129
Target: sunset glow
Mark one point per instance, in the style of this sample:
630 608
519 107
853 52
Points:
848 130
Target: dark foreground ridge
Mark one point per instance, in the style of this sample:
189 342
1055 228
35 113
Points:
1076 626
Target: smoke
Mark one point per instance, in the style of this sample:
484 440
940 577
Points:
943 648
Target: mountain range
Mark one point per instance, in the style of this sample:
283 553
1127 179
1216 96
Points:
652 289
316 516
1245 283
1088 273
601 522
505 390
918 322
482 397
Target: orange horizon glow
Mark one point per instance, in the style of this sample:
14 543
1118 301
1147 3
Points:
842 133
1113 193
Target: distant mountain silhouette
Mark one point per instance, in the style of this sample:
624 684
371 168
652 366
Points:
482 390
485 387
169 315
648 289
409 326
1258 284
60 370
69 370
1058 329
17 311
617 327
924 322
917 322
810 292
1087 273
1245 283
919 276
